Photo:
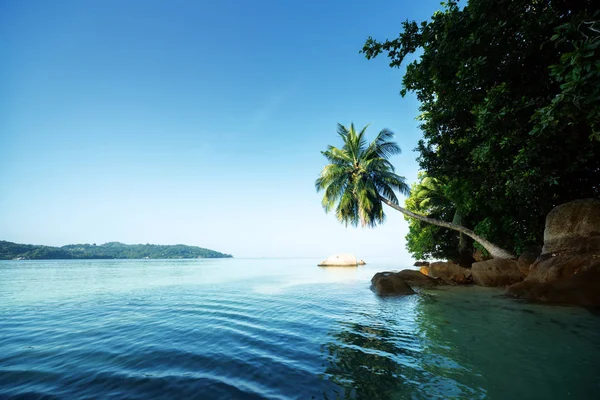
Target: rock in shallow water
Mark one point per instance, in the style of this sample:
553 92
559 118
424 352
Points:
341 260
496 272
390 284
401 283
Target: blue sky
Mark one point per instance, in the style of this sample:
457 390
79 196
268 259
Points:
193 122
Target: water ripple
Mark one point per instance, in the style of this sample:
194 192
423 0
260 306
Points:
184 330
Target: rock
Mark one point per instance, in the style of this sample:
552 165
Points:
447 271
468 273
527 258
568 270
396 283
361 262
496 272
447 281
340 260
421 264
567 279
390 284
416 279
573 227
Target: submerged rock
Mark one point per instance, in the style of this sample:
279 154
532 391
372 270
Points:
341 260
568 270
447 271
496 272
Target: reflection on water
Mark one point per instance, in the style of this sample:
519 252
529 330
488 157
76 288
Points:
363 361
464 343
384 357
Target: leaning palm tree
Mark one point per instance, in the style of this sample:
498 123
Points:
360 178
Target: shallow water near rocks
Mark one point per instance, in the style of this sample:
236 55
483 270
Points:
278 329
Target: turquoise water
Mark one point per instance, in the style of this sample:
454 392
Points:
277 329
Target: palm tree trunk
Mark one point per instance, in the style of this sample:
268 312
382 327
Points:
495 251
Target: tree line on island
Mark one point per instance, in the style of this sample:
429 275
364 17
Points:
111 250
509 94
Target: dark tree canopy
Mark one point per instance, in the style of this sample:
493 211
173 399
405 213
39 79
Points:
510 102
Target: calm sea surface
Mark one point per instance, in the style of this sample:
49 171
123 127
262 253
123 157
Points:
277 329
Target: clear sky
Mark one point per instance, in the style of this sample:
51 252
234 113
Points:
195 122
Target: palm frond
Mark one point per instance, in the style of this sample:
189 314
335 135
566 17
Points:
395 181
386 191
347 209
388 149
329 174
333 193
337 156
342 131
383 146
374 165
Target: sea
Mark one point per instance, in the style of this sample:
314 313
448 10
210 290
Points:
278 329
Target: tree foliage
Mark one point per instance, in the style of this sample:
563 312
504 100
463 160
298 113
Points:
509 95
425 241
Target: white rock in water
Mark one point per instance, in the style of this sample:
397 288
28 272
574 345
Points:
341 260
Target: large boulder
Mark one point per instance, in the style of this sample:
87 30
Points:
340 260
573 227
527 258
565 278
568 270
496 272
399 283
418 280
390 284
447 271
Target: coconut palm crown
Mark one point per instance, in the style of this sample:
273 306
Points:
359 177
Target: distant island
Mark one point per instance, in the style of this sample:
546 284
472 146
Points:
111 250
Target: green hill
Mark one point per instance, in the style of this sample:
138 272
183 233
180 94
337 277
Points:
116 250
